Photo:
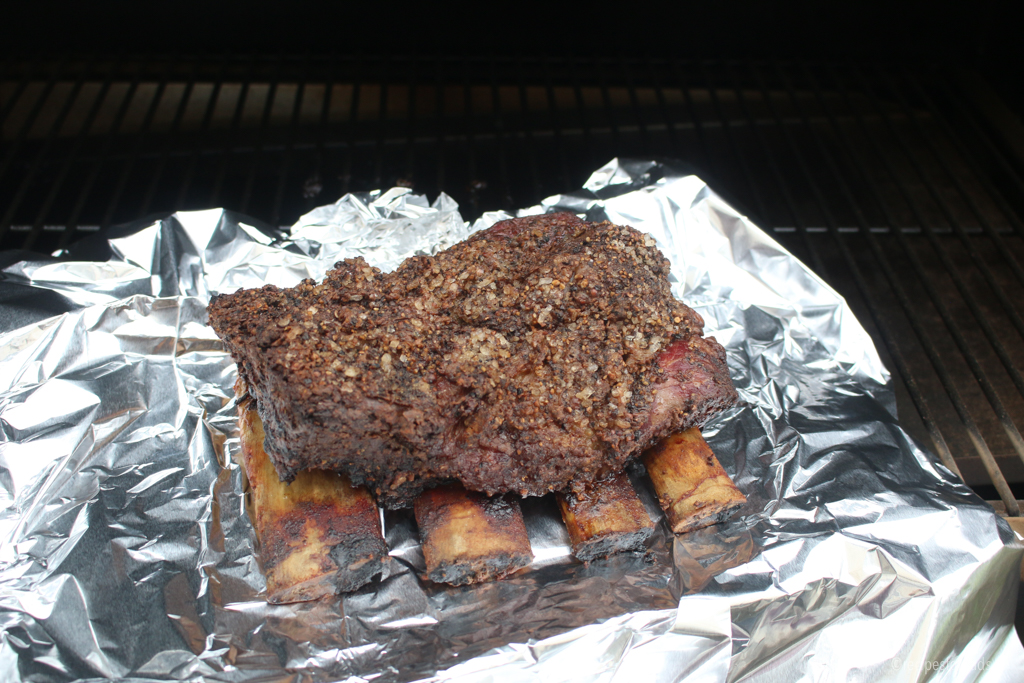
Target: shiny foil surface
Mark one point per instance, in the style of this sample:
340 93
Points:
126 551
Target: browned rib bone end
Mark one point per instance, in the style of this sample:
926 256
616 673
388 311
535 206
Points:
607 517
318 535
693 489
468 537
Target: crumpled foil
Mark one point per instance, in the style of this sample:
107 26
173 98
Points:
126 550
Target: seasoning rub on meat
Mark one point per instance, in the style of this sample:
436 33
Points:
539 355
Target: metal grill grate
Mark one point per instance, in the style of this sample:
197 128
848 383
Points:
897 185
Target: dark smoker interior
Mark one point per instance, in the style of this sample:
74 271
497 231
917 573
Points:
881 143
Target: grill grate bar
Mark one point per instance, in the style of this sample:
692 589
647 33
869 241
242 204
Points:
563 164
507 202
790 202
129 164
911 254
204 129
986 225
26 126
730 134
645 136
888 335
382 114
951 269
948 319
86 188
610 116
314 182
157 173
913 317
410 143
581 108
946 211
347 165
973 163
527 130
988 459
476 185
996 153
439 142
256 156
231 137
969 355
58 183
933 293
41 155
22 86
504 132
289 149
982 319
669 122
698 124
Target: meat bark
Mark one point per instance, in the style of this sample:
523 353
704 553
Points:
538 355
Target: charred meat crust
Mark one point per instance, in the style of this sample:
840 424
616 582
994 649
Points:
540 354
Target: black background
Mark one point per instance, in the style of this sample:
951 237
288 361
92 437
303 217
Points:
983 35
965 32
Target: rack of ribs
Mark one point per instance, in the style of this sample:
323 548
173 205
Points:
542 354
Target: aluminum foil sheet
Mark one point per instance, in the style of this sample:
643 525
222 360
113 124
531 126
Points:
127 553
